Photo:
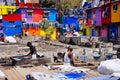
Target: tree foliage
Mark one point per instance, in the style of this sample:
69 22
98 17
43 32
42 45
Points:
44 24
62 4
67 4
47 28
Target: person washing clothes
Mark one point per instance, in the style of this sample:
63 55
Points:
32 50
68 57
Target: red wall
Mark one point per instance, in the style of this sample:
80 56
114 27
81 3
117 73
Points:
12 17
21 4
17 2
29 5
37 15
107 19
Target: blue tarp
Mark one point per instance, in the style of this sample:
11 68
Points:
75 75
69 75
87 5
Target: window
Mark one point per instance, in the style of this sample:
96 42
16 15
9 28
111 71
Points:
115 7
0 20
46 14
29 13
9 11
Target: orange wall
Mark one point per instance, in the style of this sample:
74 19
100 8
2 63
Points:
32 31
115 15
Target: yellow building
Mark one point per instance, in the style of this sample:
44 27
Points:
115 11
7 10
86 30
53 36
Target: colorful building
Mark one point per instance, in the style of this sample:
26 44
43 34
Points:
115 19
1 33
53 36
50 14
71 23
12 24
86 30
106 14
31 18
28 3
7 10
104 21
98 24
30 14
88 17
115 12
90 23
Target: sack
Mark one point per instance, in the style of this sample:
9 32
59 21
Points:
109 66
10 39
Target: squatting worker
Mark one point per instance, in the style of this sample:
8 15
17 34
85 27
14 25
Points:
32 49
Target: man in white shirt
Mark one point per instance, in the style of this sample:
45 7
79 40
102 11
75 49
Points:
68 57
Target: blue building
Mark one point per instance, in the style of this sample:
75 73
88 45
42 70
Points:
12 24
50 14
112 33
71 23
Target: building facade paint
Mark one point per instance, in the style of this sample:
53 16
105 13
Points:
7 10
115 12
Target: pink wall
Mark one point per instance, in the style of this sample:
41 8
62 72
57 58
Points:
103 32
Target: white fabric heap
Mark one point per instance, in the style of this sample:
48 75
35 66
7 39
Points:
10 39
109 66
68 68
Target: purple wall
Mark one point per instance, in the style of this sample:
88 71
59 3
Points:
98 17
24 16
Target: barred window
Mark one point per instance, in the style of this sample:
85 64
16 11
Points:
115 7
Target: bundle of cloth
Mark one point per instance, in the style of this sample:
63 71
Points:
109 66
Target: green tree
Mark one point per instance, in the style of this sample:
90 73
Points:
47 28
67 4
